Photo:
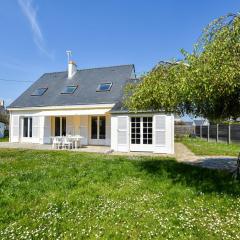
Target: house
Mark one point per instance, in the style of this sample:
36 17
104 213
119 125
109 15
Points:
88 102
3 119
189 123
201 122
2 129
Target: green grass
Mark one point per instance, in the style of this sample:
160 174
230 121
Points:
67 195
5 139
202 147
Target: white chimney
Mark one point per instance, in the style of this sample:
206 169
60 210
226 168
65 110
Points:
1 103
72 69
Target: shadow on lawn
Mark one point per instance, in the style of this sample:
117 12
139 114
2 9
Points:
202 179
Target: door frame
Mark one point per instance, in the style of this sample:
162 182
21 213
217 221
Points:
97 141
141 147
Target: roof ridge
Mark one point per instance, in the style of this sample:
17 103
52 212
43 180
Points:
92 68
122 65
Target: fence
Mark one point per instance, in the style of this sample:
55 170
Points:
183 130
219 132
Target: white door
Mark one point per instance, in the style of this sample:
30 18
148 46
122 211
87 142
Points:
141 133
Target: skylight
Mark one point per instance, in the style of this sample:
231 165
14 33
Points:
39 92
103 87
69 89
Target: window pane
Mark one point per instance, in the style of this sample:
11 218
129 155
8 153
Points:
64 126
102 127
104 87
69 89
39 92
94 128
25 127
57 126
30 127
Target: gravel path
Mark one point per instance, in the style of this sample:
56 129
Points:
183 154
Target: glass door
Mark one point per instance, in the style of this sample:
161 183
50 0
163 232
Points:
141 134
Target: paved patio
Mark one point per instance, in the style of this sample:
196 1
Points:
182 154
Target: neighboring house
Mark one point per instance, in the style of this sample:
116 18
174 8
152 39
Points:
88 102
189 123
2 129
201 122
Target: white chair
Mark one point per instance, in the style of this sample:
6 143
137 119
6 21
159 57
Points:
67 143
57 143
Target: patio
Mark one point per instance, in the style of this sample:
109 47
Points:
36 146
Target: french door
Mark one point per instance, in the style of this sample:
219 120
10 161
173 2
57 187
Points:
141 138
60 126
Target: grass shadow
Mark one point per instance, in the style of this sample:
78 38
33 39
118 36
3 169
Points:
202 179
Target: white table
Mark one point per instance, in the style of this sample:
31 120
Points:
75 139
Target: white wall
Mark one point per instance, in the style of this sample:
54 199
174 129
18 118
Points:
43 128
163 133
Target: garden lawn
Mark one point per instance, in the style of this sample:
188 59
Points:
69 195
5 139
202 147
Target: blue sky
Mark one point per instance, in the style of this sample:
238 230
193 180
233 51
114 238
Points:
36 34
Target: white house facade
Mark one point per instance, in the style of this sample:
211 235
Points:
88 103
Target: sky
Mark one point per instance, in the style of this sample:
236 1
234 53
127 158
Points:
35 35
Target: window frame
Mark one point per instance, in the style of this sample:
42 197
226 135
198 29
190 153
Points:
109 89
37 95
29 126
69 86
98 128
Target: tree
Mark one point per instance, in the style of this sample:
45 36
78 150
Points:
206 83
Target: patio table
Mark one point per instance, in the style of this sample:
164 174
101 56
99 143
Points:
75 139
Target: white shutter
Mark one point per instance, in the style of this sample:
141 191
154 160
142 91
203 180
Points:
122 127
35 127
46 129
160 130
15 129
84 129
70 125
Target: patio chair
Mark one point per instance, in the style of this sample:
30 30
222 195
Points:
67 143
57 143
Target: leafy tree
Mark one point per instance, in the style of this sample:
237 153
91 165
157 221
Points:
206 83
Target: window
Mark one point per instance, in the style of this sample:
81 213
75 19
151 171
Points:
39 92
135 127
141 130
94 125
102 127
147 130
98 127
104 87
69 89
60 126
27 127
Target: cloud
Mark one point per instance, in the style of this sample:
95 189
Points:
30 13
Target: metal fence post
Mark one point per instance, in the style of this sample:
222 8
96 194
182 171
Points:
229 133
200 131
217 133
208 132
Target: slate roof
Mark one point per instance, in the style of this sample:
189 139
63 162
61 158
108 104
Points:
87 81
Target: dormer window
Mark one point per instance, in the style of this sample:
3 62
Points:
39 92
69 90
103 87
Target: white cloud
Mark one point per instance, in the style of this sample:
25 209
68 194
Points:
30 13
